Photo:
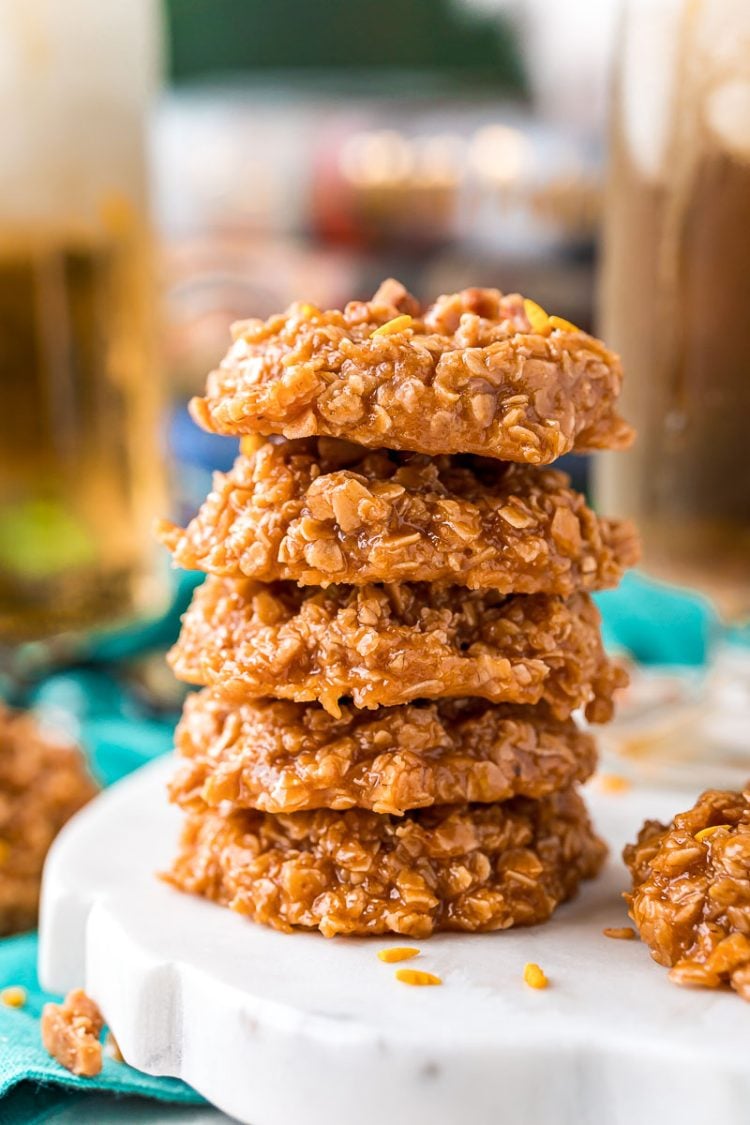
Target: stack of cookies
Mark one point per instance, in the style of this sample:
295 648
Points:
397 625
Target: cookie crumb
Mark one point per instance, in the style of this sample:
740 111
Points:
70 1033
414 976
397 953
707 833
534 976
537 317
562 324
112 1047
14 996
398 324
624 933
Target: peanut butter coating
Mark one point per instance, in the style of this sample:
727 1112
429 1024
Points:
467 374
279 756
386 645
320 511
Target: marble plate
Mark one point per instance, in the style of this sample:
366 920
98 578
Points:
279 1029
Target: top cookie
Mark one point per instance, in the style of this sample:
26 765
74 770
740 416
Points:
476 372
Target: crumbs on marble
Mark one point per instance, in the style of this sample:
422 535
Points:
623 933
398 953
534 976
613 783
417 977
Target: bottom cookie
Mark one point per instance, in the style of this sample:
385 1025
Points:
691 891
465 867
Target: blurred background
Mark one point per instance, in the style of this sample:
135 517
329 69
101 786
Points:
168 168
315 149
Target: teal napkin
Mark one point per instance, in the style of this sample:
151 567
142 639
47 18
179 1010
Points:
25 1063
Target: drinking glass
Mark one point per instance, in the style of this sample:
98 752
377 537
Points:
675 296
80 477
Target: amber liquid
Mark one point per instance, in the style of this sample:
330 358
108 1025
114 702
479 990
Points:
79 476
676 305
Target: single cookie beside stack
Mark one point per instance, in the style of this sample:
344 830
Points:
44 780
397 624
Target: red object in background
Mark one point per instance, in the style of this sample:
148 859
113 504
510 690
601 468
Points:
333 212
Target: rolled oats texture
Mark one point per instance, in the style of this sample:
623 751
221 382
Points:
467 374
691 891
386 645
279 756
464 867
43 781
318 511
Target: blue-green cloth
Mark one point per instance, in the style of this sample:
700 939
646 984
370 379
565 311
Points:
23 1060
654 623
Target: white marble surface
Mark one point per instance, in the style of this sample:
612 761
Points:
280 1029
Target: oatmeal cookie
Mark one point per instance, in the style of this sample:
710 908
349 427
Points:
318 511
43 781
71 1031
691 891
466 867
476 372
385 645
284 757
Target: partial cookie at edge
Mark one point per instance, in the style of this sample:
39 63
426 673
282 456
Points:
691 891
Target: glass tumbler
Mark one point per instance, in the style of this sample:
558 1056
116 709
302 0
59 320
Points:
674 301
80 477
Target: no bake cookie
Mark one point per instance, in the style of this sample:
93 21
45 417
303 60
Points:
476 372
386 645
319 511
285 757
43 781
466 867
691 891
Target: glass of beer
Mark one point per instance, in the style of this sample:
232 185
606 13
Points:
675 298
80 477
